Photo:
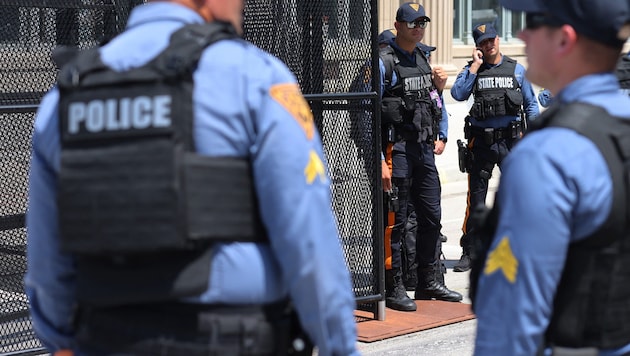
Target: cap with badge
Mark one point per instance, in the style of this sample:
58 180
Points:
483 32
410 12
604 21
425 49
386 36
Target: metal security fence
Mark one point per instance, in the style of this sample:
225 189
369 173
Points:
328 44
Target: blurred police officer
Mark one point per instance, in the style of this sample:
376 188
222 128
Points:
544 98
500 92
556 273
179 202
414 129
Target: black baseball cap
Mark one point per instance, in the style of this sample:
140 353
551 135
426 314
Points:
410 12
483 32
604 21
386 36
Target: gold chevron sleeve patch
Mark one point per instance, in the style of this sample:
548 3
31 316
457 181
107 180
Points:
314 168
502 259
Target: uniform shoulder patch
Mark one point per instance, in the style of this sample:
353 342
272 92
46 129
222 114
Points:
502 259
314 168
290 97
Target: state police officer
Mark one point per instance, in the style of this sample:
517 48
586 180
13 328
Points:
555 279
500 92
414 128
179 200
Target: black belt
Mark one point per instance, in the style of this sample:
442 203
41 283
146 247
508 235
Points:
495 133
491 135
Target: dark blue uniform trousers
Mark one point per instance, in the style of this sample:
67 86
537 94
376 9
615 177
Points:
415 175
485 157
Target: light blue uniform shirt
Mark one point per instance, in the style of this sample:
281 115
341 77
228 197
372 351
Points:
555 189
235 115
465 82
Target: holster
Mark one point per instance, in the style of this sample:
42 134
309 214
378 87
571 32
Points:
464 156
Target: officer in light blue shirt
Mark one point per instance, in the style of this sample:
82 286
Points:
553 201
246 104
501 93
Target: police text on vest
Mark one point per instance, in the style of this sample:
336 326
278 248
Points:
120 114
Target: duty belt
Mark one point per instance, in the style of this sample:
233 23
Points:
491 135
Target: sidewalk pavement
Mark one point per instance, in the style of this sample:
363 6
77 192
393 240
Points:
447 163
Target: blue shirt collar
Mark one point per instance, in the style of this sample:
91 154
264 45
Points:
169 12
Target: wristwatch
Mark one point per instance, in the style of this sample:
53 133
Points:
443 139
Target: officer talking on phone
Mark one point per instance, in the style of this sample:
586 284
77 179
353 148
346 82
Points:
501 95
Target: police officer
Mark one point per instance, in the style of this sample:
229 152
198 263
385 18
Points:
414 129
555 280
408 245
179 200
500 92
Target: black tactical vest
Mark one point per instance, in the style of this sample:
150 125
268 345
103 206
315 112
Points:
138 207
592 303
496 91
623 73
412 104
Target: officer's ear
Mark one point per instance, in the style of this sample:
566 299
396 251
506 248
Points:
568 39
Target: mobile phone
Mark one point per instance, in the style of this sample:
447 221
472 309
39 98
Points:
479 53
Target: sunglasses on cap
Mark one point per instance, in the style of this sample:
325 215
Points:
417 23
536 20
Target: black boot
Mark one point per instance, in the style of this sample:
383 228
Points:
431 286
395 295
411 280
464 263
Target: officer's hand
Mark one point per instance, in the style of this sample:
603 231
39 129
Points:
439 78
477 60
386 176
439 147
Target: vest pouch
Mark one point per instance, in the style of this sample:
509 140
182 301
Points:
490 105
220 198
409 103
513 101
391 110
422 118
119 198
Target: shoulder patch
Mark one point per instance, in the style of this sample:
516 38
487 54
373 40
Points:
290 97
502 258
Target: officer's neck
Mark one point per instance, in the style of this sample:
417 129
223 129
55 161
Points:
493 60
406 46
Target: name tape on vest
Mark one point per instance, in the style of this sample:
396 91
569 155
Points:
418 83
495 83
127 113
